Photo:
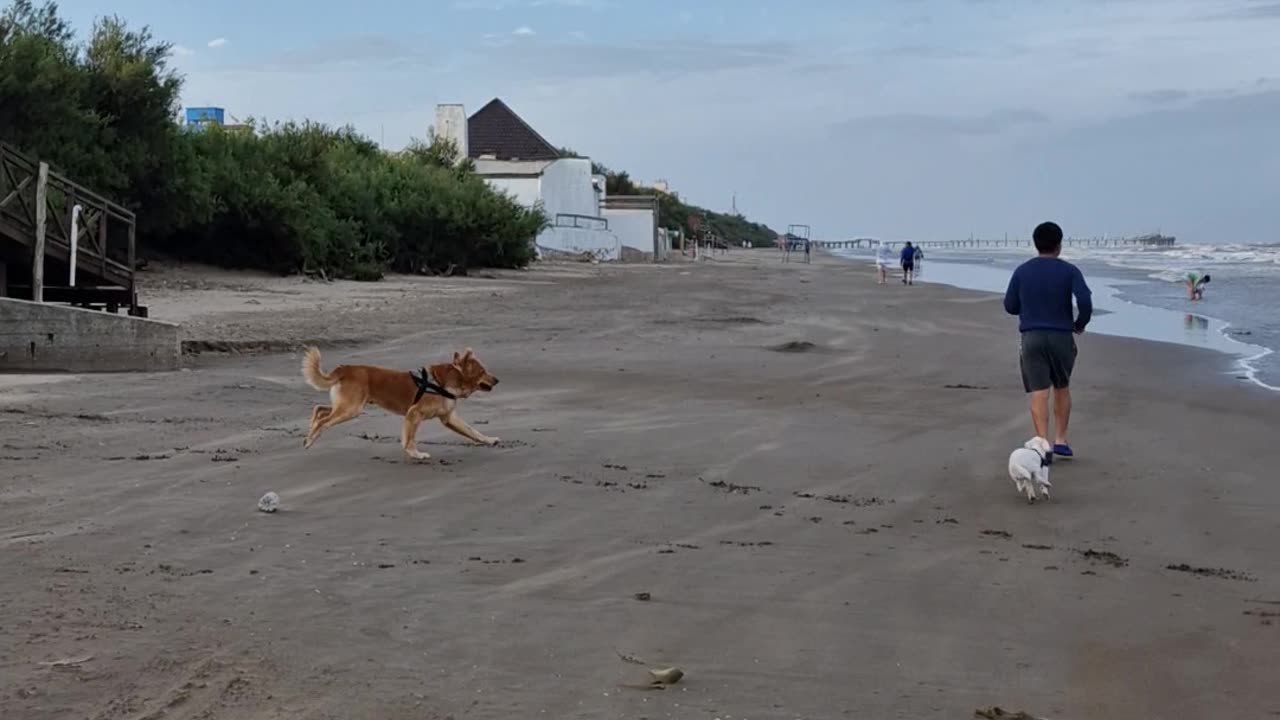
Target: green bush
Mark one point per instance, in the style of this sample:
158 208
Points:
285 198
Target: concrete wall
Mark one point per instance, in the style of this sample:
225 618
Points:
564 187
634 227
525 190
530 168
601 243
567 188
451 124
37 336
521 179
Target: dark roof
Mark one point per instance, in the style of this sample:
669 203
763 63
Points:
497 130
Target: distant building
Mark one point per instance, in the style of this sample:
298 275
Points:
514 158
661 185
198 118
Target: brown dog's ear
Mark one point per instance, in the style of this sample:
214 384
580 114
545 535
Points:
468 353
457 357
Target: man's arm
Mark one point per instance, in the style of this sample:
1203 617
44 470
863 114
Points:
1084 300
1012 302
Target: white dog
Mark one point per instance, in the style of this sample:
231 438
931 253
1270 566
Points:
1029 468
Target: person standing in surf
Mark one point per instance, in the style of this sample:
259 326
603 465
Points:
1195 285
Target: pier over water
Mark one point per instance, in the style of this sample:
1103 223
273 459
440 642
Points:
870 243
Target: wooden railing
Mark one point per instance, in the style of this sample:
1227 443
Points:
106 233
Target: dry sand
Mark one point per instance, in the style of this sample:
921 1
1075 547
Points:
822 533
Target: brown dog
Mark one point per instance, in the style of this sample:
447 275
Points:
431 394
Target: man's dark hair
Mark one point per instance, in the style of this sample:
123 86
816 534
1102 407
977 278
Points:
1206 278
1047 237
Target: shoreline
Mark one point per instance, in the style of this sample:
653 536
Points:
784 479
1123 317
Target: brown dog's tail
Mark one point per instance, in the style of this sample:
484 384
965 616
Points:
316 378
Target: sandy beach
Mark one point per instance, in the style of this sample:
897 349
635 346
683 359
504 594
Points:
784 479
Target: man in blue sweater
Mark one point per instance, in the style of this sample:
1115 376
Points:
1040 294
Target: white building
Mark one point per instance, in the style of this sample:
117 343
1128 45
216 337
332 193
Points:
661 185
512 157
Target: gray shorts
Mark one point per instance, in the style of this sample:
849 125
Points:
1047 358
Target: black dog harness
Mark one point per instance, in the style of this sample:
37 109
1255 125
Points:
423 380
1045 460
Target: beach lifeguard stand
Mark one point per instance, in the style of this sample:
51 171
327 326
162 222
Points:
797 235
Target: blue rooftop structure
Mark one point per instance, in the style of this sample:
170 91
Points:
199 117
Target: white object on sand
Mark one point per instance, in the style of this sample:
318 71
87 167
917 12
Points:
269 503
67 662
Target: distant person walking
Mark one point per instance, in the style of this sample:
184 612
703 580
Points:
1195 285
884 256
806 249
908 260
1040 293
919 259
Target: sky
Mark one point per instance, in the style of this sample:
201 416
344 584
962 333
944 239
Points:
903 119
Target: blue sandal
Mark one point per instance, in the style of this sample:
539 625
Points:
1063 450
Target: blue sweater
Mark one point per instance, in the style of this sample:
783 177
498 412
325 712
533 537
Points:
1040 295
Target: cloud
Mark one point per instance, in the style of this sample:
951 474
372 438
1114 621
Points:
482 4
1211 117
1205 169
585 4
1165 96
551 61
182 51
495 5
820 68
524 30
921 51
992 123
1253 10
217 43
368 52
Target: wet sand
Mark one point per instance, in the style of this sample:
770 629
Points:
803 470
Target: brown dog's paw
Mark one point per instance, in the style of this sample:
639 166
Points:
492 441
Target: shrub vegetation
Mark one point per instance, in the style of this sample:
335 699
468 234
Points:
284 197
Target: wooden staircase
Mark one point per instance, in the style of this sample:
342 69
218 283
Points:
36 264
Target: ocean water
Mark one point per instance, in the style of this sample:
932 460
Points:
1139 292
